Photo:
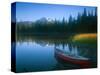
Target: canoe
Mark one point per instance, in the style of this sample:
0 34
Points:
78 60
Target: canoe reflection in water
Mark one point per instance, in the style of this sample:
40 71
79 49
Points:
71 55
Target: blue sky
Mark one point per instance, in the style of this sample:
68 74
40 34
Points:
35 11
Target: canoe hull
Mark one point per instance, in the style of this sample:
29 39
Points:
67 58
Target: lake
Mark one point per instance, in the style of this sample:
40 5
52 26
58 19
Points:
38 54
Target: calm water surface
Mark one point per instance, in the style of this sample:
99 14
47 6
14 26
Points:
39 55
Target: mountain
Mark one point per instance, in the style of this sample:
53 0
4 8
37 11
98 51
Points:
42 20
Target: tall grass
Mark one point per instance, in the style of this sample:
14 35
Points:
86 38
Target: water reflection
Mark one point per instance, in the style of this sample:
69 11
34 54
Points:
39 53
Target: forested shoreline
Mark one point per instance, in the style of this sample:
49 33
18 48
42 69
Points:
85 22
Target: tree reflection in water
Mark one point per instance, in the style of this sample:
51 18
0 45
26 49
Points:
82 49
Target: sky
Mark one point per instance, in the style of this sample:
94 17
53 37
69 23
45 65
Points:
34 11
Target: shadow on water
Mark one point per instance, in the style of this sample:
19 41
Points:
35 53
